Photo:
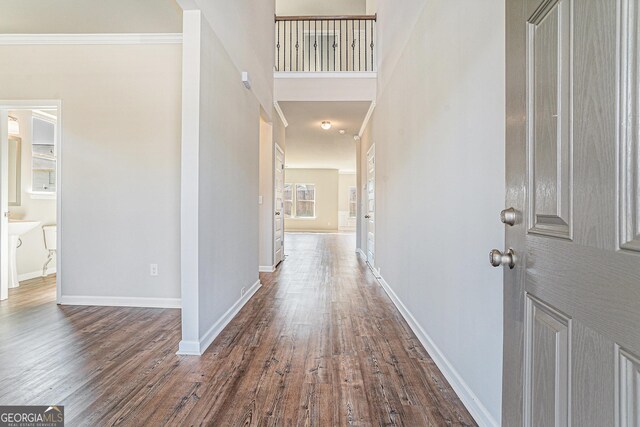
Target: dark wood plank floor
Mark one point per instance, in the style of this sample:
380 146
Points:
319 345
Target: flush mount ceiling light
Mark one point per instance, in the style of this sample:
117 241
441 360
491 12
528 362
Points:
14 126
342 131
326 125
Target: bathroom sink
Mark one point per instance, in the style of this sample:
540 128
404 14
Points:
16 229
19 227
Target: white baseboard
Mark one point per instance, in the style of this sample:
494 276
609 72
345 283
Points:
35 274
189 348
375 271
193 348
266 269
477 410
141 302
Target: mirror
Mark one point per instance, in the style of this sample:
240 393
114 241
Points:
15 163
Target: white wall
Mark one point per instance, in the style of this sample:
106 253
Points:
326 182
121 161
279 132
270 134
221 162
439 135
267 208
245 29
345 181
321 88
325 7
394 27
372 7
229 166
31 255
82 16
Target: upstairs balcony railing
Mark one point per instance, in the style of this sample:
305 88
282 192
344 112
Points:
326 43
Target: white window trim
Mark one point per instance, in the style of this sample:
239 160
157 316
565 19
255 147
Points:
284 201
45 117
294 192
355 202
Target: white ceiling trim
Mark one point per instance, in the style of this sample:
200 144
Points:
90 39
325 75
281 114
367 118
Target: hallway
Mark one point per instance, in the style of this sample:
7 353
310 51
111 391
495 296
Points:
320 344
345 349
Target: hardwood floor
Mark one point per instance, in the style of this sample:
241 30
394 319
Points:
320 344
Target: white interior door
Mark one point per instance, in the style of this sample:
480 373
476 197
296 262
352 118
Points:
278 206
4 204
572 300
371 207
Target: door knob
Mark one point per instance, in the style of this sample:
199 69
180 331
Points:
497 258
367 216
277 213
509 216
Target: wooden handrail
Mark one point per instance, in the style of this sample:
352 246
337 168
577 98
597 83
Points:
328 18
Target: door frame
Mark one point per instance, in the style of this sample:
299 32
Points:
43 104
513 375
276 149
372 265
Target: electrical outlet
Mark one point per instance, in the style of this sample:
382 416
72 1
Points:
153 269
242 292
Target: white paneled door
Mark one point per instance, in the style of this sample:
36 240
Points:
572 256
278 206
371 207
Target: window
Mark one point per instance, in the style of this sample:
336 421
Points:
326 44
353 202
305 200
43 155
300 203
288 200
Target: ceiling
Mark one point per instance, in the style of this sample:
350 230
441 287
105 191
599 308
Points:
89 16
311 147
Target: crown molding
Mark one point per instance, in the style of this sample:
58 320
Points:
367 118
281 114
90 39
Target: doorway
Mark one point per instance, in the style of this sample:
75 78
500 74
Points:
278 249
321 180
30 168
370 208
